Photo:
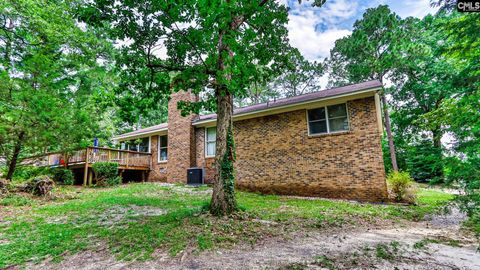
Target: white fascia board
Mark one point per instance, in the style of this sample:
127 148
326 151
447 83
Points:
292 107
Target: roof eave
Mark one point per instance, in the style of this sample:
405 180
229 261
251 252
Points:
292 107
139 135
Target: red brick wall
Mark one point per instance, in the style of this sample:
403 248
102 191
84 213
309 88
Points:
159 169
276 155
181 146
207 163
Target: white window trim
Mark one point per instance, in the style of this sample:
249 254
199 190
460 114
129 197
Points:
159 148
206 143
149 144
327 121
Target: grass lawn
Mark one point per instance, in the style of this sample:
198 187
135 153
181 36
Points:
132 221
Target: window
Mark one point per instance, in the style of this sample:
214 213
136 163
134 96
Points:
140 145
210 138
162 148
143 145
328 119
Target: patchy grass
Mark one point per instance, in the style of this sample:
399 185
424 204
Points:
336 212
422 244
133 221
16 200
325 262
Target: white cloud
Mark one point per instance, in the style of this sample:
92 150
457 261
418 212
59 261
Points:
414 8
314 45
338 9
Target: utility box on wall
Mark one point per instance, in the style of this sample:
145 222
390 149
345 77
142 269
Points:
195 176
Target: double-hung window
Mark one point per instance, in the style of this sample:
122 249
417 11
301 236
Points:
210 141
328 119
162 148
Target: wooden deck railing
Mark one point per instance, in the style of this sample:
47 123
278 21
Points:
90 155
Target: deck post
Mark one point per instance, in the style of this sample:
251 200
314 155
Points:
85 172
90 177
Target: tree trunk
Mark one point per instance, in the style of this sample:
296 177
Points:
437 144
388 128
12 165
223 196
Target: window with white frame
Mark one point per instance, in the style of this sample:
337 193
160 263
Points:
328 119
210 141
162 148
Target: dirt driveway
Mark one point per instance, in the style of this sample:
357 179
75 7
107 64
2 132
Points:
438 243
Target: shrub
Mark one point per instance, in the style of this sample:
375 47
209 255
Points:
401 187
106 174
65 176
27 172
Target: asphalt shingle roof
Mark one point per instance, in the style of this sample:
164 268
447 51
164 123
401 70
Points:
319 95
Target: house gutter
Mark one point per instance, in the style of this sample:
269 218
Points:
289 107
140 135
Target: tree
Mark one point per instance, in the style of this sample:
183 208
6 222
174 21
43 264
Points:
300 76
258 92
460 113
48 72
370 53
422 80
216 48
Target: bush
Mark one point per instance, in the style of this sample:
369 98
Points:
114 181
401 187
106 174
27 172
65 176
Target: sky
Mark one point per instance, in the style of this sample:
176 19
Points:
314 30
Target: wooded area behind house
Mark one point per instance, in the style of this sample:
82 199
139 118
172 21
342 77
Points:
73 71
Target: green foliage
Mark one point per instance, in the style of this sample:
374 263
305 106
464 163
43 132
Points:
53 91
461 113
424 162
62 175
300 76
106 174
24 173
401 187
369 52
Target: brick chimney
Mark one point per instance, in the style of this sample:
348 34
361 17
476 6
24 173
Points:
181 136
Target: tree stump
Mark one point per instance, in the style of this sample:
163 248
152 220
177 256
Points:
40 186
3 187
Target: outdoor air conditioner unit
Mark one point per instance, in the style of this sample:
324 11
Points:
195 176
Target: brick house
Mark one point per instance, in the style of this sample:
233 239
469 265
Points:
326 144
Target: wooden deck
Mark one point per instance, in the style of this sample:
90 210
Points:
85 158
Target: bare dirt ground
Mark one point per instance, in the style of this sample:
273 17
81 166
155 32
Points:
438 243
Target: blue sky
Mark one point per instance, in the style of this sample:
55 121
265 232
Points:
314 30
